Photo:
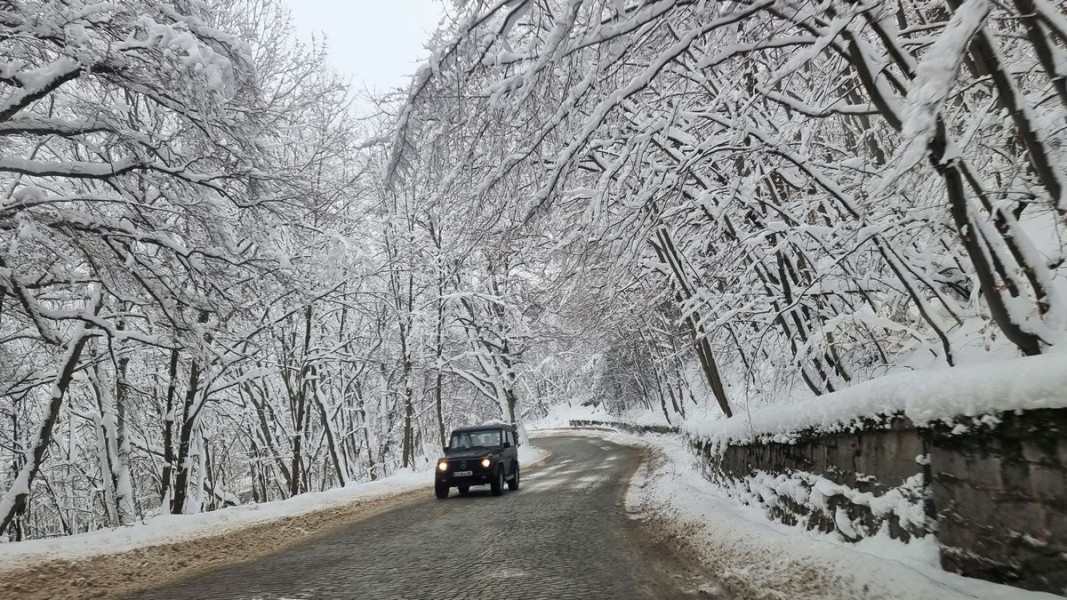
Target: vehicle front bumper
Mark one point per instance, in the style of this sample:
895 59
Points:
479 474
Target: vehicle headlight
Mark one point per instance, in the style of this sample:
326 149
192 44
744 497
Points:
442 465
486 462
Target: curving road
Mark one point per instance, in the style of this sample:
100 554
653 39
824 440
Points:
564 534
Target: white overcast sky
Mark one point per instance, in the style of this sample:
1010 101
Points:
378 43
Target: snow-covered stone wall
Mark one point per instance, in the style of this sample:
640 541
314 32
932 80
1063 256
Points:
992 489
1001 499
855 483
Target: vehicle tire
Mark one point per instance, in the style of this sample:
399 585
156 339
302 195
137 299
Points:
463 489
497 484
441 491
513 485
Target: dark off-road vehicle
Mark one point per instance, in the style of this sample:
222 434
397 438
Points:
478 456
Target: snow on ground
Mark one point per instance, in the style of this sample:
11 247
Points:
530 455
755 557
561 415
167 528
170 529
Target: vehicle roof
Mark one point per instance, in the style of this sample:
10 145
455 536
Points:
481 427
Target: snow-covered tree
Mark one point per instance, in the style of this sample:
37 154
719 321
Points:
822 191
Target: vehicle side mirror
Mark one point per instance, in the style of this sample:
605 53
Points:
445 449
507 444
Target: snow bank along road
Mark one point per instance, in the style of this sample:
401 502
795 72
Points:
564 534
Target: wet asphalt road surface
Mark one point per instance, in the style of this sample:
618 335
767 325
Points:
563 534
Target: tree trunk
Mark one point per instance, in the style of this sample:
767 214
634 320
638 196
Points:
667 253
331 439
185 439
106 448
438 353
1028 343
408 450
168 428
13 503
190 421
124 480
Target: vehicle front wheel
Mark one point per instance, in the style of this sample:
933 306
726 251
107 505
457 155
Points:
497 484
513 485
441 491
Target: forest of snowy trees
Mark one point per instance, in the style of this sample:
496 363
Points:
220 286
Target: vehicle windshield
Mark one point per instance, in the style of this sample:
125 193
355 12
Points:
471 439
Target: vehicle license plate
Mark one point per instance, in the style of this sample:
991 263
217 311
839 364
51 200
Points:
462 474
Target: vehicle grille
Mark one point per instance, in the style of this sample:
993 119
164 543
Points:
474 465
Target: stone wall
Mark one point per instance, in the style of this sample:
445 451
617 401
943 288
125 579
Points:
887 451
993 490
1001 499
878 471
